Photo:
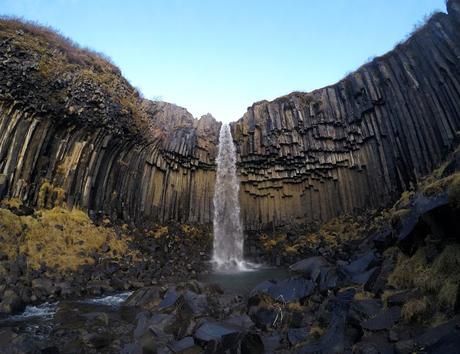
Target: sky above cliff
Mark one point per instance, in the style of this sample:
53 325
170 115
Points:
222 56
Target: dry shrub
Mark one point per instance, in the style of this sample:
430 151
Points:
58 238
416 310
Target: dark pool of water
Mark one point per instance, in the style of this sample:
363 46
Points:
244 282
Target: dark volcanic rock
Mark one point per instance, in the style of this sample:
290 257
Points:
11 303
218 337
333 341
286 290
146 297
384 320
310 267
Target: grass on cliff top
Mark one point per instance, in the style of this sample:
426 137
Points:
59 58
58 238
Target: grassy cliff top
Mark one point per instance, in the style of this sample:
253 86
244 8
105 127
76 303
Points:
49 75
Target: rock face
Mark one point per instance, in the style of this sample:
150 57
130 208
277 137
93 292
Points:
73 131
307 157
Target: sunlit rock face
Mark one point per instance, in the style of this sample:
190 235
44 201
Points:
73 131
307 157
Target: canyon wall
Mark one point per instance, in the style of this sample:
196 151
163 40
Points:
307 157
73 131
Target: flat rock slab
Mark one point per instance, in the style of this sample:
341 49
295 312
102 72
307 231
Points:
310 267
287 290
146 297
179 346
170 299
365 309
297 335
360 265
215 331
384 320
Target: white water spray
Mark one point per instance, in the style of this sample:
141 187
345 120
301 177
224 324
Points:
228 231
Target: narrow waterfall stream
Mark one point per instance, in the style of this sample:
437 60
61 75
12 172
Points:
228 231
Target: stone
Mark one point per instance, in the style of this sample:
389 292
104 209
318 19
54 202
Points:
375 344
297 335
170 299
146 298
286 290
252 344
218 337
185 344
356 268
310 267
197 303
401 297
43 286
361 310
11 303
383 320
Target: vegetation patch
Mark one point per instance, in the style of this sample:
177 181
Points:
59 238
438 279
416 310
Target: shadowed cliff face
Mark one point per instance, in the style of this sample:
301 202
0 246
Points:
73 131
307 157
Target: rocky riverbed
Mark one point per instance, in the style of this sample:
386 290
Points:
380 283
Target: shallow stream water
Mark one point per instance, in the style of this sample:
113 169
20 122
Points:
38 319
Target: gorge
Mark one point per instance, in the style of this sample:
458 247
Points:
354 187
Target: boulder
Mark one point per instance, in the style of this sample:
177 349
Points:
197 303
170 299
440 337
145 298
374 344
361 310
185 345
252 344
11 303
334 340
286 290
310 267
360 265
383 320
297 335
43 287
218 337
399 298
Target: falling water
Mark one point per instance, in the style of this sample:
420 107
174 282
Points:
228 232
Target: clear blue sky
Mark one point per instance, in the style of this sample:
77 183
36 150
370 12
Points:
221 56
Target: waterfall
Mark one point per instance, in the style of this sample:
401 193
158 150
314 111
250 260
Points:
228 231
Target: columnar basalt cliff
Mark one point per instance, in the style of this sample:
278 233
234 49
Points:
73 131
307 157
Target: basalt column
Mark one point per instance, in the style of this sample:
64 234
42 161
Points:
307 157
